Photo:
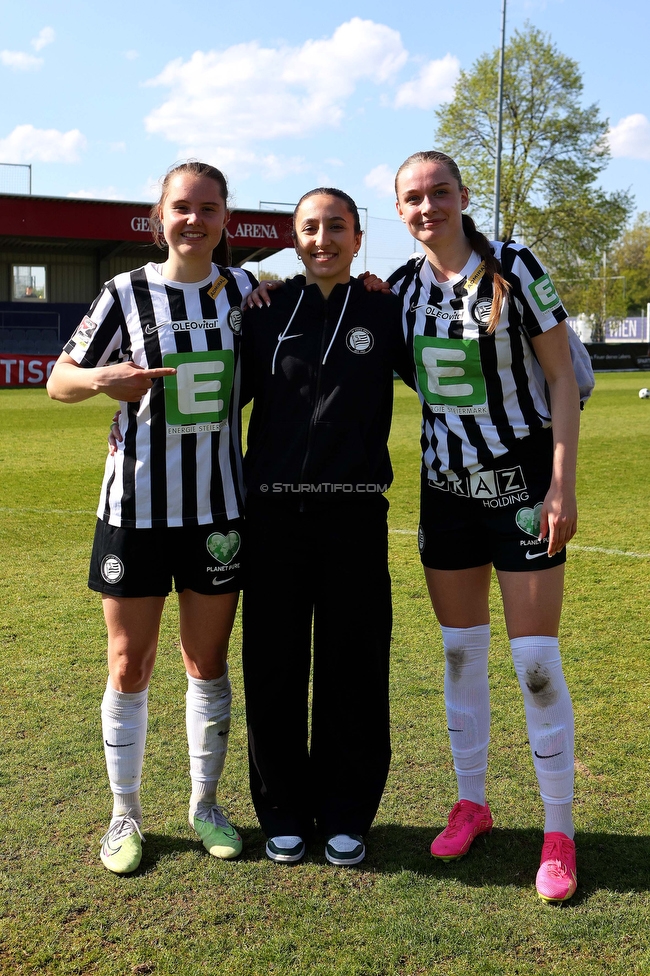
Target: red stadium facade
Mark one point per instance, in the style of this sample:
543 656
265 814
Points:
55 253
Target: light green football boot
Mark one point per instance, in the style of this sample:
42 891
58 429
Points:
122 845
217 833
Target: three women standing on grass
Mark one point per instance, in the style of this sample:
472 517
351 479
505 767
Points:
498 489
164 340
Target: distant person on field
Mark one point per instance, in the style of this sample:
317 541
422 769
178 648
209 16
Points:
171 500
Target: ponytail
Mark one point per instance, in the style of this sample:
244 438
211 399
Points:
500 287
222 254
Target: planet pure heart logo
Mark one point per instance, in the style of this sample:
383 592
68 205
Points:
224 548
528 519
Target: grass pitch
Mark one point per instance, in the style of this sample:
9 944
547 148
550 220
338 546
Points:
399 914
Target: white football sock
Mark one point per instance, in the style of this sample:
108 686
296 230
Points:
467 701
549 716
127 804
207 715
124 728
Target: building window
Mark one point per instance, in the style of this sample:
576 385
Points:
28 283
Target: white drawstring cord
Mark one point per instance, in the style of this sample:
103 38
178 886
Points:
337 324
284 334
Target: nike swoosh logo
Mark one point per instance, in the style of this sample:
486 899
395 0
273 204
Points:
218 582
535 555
552 756
453 730
224 733
150 329
115 745
111 850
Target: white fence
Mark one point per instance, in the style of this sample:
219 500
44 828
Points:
616 330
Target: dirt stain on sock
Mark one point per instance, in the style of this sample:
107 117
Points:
539 684
455 661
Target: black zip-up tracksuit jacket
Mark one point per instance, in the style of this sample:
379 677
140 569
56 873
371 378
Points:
320 372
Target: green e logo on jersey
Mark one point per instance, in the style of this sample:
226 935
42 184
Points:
199 393
544 293
449 371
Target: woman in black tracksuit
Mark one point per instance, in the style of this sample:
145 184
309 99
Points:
319 365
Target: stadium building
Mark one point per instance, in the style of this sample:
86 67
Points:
55 254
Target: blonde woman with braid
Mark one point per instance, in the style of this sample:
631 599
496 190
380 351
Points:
498 489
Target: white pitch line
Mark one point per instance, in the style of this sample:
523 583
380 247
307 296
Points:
83 511
611 552
49 511
608 552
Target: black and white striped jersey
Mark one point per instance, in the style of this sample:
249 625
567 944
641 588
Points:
179 462
479 392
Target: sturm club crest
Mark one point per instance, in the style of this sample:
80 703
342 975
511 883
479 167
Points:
112 569
235 319
481 310
359 341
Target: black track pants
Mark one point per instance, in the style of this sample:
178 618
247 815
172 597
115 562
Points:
328 567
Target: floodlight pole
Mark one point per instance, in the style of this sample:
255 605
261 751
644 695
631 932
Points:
497 169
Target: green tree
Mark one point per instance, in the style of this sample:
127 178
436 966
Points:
631 259
616 284
596 290
553 150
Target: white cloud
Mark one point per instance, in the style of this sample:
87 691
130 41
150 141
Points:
221 103
381 179
631 137
434 84
131 55
244 160
20 61
44 37
26 144
105 193
117 146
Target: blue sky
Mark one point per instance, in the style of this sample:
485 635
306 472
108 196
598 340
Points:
101 99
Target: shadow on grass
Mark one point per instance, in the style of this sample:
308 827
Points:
615 862
160 846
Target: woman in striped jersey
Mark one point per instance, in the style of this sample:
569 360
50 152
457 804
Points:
498 489
164 341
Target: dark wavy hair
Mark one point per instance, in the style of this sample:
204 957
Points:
330 191
478 241
221 254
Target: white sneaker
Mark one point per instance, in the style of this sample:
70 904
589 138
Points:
285 849
345 849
